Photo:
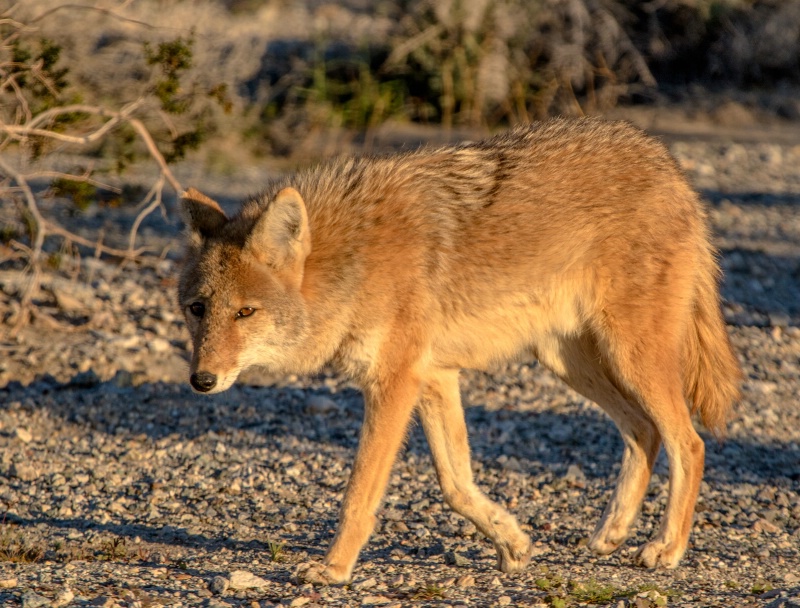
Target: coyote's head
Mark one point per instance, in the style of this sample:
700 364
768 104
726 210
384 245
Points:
240 285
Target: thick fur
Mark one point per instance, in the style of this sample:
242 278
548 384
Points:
577 242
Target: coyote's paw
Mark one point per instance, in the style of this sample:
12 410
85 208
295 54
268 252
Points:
659 553
318 573
601 546
605 541
514 558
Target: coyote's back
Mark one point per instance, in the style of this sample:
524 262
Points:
579 243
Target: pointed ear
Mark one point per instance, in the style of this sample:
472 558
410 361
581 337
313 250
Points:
280 236
202 215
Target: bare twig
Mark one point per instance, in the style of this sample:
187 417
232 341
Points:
23 131
15 24
33 208
112 251
155 153
402 50
23 103
85 178
155 194
47 115
96 9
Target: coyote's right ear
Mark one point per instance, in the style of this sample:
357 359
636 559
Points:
280 236
202 215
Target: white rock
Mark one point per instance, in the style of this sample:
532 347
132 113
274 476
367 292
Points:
374 600
364 584
23 471
319 404
64 598
34 600
241 579
23 434
158 345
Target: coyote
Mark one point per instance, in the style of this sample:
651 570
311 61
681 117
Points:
575 242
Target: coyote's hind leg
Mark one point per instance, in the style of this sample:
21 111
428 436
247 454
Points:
582 367
648 365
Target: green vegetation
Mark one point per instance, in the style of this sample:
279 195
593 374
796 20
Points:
431 591
761 586
276 551
114 549
563 594
82 193
548 583
593 592
15 547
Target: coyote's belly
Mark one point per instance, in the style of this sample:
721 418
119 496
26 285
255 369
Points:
522 325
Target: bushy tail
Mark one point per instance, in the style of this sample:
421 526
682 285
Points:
712 375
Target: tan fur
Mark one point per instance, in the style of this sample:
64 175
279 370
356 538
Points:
579 243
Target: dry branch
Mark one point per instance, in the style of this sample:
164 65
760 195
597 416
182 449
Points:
43 227
23 127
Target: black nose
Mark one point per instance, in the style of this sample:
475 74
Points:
203 381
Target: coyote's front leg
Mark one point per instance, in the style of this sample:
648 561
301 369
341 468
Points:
443 420
388 406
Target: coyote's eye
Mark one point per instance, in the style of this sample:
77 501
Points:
198 309
245 312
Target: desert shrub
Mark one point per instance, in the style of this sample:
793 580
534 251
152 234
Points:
730 43
461 62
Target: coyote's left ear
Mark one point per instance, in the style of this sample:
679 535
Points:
202 215
280 236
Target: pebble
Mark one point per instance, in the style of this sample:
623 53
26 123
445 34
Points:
8 583
364 584
575 476
219 585
63 598
159 345
103 601
374 600
321 405
241 579
455 559
763 525
23 434
68 302
31 599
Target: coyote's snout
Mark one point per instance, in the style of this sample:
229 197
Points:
578 243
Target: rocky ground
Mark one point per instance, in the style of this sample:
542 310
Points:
118 486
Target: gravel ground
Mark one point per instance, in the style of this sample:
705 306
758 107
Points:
119 487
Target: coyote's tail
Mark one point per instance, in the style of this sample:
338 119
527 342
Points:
712 375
